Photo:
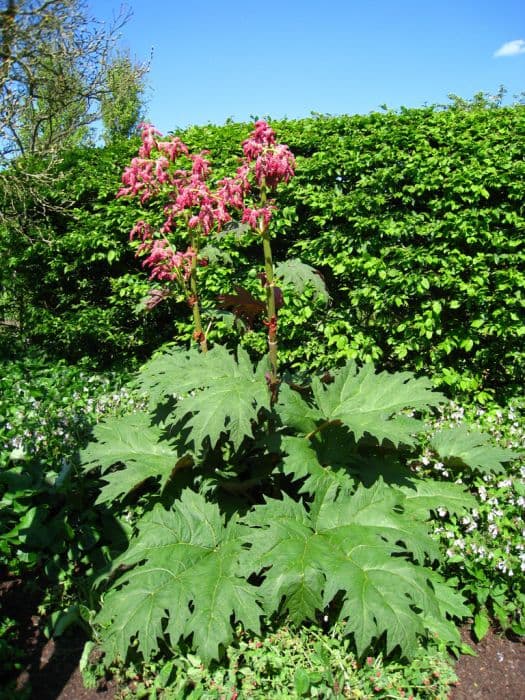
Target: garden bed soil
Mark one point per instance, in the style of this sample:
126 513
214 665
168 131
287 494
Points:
52 672
497 672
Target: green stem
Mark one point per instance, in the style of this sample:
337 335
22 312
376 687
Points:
198 333
322 427
271 311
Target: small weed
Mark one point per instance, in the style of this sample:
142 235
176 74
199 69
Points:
287 663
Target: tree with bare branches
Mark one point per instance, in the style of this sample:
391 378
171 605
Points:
55 63
61 70
53 75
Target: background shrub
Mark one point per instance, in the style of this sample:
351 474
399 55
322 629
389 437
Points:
415 219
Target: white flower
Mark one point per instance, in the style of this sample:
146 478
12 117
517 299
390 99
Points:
442 512
493 531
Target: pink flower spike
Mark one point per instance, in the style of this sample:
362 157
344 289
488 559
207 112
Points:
173 148
161 169
263 133
193 221
139 178
231 192
274 166
141 230
255 217
149 142
166 263
262 136
201 166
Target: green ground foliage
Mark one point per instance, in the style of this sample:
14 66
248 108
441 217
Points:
50 529
414 219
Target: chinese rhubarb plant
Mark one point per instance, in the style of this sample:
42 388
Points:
264 496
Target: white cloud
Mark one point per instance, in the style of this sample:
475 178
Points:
511 48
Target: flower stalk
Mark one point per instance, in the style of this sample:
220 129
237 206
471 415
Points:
198 334
166 169
271 310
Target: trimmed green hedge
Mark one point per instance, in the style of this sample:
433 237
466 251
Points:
415 219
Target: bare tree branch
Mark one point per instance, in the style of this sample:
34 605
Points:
54 68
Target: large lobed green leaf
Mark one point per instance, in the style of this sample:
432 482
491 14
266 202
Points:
174 373
367 402
213 393
459 447
300 275
362 546
134 441
184 581
424 496
226 397
364 402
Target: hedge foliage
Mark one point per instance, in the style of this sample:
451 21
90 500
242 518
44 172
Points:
415 219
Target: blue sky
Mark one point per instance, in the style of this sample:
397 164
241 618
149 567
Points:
217 59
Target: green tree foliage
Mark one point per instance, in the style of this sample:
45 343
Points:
121 105
56 68
56 63
54 116
423 232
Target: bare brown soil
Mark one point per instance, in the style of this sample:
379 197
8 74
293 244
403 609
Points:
497 672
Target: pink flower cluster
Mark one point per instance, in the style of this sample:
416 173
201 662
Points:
145 175
165 262
274 163
189 199
257 218
168 264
